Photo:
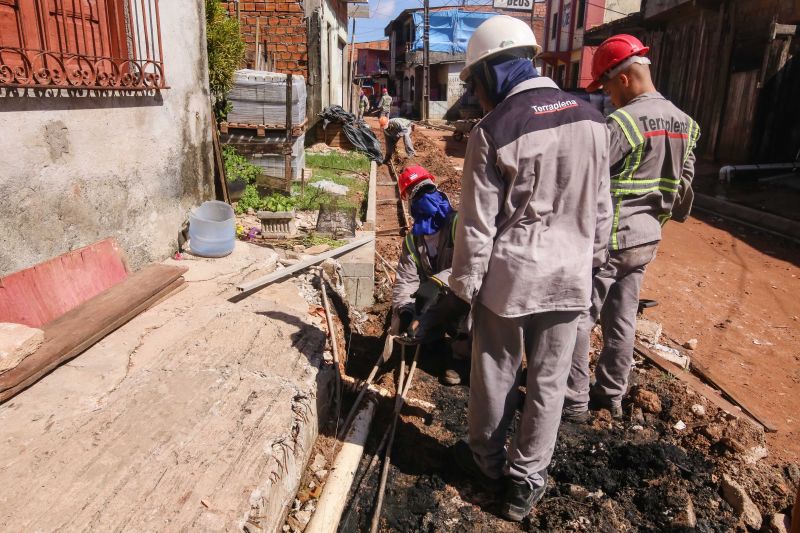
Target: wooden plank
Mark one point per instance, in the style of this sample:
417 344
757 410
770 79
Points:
44 292
76 331
252 286
691 381
706 374
219 163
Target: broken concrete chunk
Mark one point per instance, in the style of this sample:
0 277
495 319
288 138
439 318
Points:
686 517
778 523
318 463
691 344
698 410
578 493
672 355
754 454
648 330
330 187
648 401
17 342
737 497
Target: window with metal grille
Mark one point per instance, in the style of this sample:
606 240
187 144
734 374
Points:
81 44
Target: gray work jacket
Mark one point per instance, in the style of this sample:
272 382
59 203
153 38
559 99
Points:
398 127
535 212
417 264
386 103
652 165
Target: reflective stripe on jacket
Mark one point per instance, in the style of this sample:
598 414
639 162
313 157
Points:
652 165
416 264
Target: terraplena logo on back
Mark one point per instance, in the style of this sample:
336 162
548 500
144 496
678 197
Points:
554 108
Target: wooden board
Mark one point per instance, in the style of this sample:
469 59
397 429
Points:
262 129
691 381
44 292
68 336
713 380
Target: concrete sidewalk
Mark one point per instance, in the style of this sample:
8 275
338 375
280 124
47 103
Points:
197 415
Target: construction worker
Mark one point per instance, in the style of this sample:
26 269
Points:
534 219
386 103
652 164
424 266
363 105
393 130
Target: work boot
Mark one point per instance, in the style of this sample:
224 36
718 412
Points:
455 371
575 416
465 460
520 498
599 402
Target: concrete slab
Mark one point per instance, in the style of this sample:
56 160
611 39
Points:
197 415
358 273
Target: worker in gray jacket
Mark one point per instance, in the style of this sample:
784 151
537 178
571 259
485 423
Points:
424 269
534 219
652 165
394 130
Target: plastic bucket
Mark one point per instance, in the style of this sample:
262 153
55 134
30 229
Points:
212 229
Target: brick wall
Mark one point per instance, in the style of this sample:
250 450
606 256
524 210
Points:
283 33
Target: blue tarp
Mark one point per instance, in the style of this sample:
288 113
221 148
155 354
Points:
449 30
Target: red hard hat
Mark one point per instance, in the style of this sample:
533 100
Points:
611 53
411 177
385 90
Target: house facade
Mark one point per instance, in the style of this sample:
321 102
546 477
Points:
565 57
108 127
450 32
305 37
371 66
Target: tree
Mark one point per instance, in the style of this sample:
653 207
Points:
225 53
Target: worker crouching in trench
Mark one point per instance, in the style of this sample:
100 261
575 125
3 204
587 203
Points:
423 273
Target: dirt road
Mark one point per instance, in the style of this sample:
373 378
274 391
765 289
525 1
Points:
738 293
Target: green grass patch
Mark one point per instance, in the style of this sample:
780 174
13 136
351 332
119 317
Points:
314 240
342 169
349 162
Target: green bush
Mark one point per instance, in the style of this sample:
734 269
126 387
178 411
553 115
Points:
274 202
279 202
237 167
225 53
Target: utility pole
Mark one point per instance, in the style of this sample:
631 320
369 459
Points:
426 62
352 66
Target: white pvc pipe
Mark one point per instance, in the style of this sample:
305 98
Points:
334 496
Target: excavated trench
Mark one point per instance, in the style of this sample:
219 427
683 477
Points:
659 469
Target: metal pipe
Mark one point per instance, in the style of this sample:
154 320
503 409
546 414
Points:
334 343
728 172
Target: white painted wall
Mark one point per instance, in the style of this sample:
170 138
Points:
75 169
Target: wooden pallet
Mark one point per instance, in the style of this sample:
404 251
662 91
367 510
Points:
261 129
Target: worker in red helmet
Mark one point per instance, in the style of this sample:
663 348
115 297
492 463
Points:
652 165
424 269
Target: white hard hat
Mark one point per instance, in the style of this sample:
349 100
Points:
497 35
